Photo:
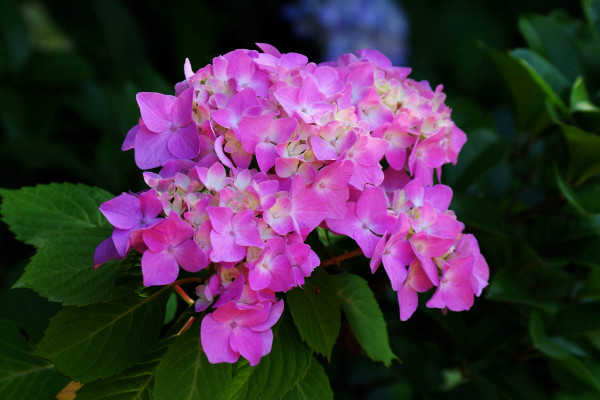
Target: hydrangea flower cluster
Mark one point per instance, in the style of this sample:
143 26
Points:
258 149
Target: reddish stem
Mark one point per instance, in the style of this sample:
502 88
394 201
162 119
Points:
187 326
184 295
342 257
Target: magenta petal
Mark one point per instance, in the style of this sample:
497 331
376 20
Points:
159 268
224 248
151 149
395 270
156 110
215 341
184 143
371 203
259 278
189 256
123 212
248 343
220 218
155 240
323 150
274 315
105 252
266 153
407 301
181 114
129 141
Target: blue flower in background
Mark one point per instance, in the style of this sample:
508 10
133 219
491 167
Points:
342 26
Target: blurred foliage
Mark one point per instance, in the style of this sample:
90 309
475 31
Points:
527 183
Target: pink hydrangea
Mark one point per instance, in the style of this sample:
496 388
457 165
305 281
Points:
258 149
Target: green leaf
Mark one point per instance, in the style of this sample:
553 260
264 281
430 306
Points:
579 101
365 316
99 340
279 371
23 376
555 347
527 95
134 383
184 372
568 192
547 77
316 312
591 9
314 386
586 370
577 320
548 37
63 270
584 153
36 214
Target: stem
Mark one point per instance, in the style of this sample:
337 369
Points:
184 295
187 326
187 280
342 257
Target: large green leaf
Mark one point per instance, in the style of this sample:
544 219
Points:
545 75
62 270
585 369
584 152
314 385
184 372
365 316
552 346
36 214
578 319
528 97
134 383
549 38
23 376
99 340
316 312
278 372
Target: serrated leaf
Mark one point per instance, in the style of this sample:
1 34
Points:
365 316
99 340
184 372
314 385
62 270
316 312
23 376
279 371
36 214
135 383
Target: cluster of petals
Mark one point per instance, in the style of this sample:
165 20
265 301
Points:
258 149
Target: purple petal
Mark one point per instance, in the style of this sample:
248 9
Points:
181 113
151 149
123 212
184 143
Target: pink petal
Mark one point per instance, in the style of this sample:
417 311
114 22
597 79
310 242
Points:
159 268
189 256
215 341
151 149
156 110
181 114
248 343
